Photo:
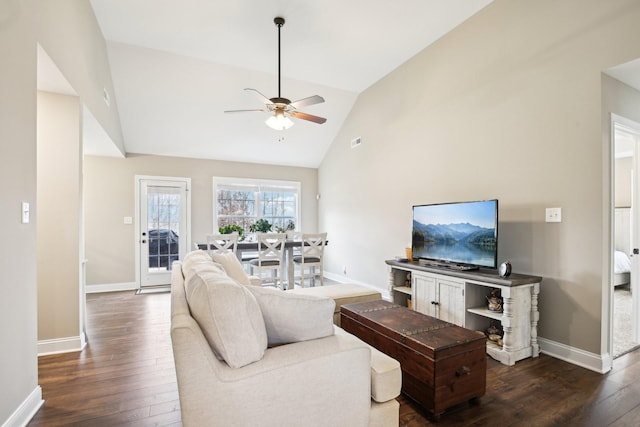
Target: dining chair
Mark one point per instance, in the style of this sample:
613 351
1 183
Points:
270 258
222 243
311 257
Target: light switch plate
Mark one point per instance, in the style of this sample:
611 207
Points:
25 212
553 215
128 220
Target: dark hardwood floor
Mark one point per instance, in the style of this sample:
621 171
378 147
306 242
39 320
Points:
126 377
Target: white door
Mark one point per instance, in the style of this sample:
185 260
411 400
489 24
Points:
626 134
633 130
163 226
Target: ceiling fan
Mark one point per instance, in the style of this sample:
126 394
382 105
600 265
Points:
282 108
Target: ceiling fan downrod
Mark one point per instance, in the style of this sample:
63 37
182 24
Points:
282 108
279 23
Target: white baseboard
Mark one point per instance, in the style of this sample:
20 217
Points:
62 345
592 361
111 287
342 279
26 410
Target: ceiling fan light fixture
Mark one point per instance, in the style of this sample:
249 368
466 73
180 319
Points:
282 108
279 121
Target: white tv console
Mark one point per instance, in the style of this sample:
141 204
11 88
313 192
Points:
459 297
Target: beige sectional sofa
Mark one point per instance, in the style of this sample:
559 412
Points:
252 356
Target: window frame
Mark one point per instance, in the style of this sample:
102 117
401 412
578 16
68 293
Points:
259 185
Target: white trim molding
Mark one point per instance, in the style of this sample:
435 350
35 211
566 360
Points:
111 287
592 361
62 345
27 409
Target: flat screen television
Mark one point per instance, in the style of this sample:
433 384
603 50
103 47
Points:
461 235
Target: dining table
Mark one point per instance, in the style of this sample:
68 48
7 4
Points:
245 246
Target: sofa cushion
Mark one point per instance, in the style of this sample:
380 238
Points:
343 293
292 318
227 313
198 258
229 261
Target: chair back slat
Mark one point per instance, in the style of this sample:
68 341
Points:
271 247
222 243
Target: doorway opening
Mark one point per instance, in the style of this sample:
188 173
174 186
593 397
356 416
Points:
625 315
163 227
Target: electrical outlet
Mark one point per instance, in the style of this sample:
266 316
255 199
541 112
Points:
553 215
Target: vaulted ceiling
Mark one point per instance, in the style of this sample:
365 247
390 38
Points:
176 66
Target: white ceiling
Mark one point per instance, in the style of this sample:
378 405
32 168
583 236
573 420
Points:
176 66
628 73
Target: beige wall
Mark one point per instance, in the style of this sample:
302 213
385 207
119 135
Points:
69 33
18 304
623 182
59 208
622 100
506 106
110 196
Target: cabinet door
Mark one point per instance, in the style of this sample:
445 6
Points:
424 289
451 302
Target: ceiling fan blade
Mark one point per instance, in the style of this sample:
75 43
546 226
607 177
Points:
311 100
309 117
244 111
260 96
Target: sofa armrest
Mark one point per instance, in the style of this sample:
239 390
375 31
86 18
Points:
386 375
325 382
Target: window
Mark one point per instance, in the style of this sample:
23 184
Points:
241 201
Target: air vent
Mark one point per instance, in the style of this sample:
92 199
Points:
356 142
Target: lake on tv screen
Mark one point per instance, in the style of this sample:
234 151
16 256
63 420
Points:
458 252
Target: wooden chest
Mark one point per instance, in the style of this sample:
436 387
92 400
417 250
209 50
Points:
442 364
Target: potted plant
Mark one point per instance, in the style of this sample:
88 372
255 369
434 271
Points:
260 226
230 228
289 227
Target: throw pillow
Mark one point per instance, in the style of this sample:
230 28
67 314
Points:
228 315
194 259
294 317
229 261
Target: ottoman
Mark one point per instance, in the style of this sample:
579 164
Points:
343 293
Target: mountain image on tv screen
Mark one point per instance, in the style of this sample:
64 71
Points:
456 232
